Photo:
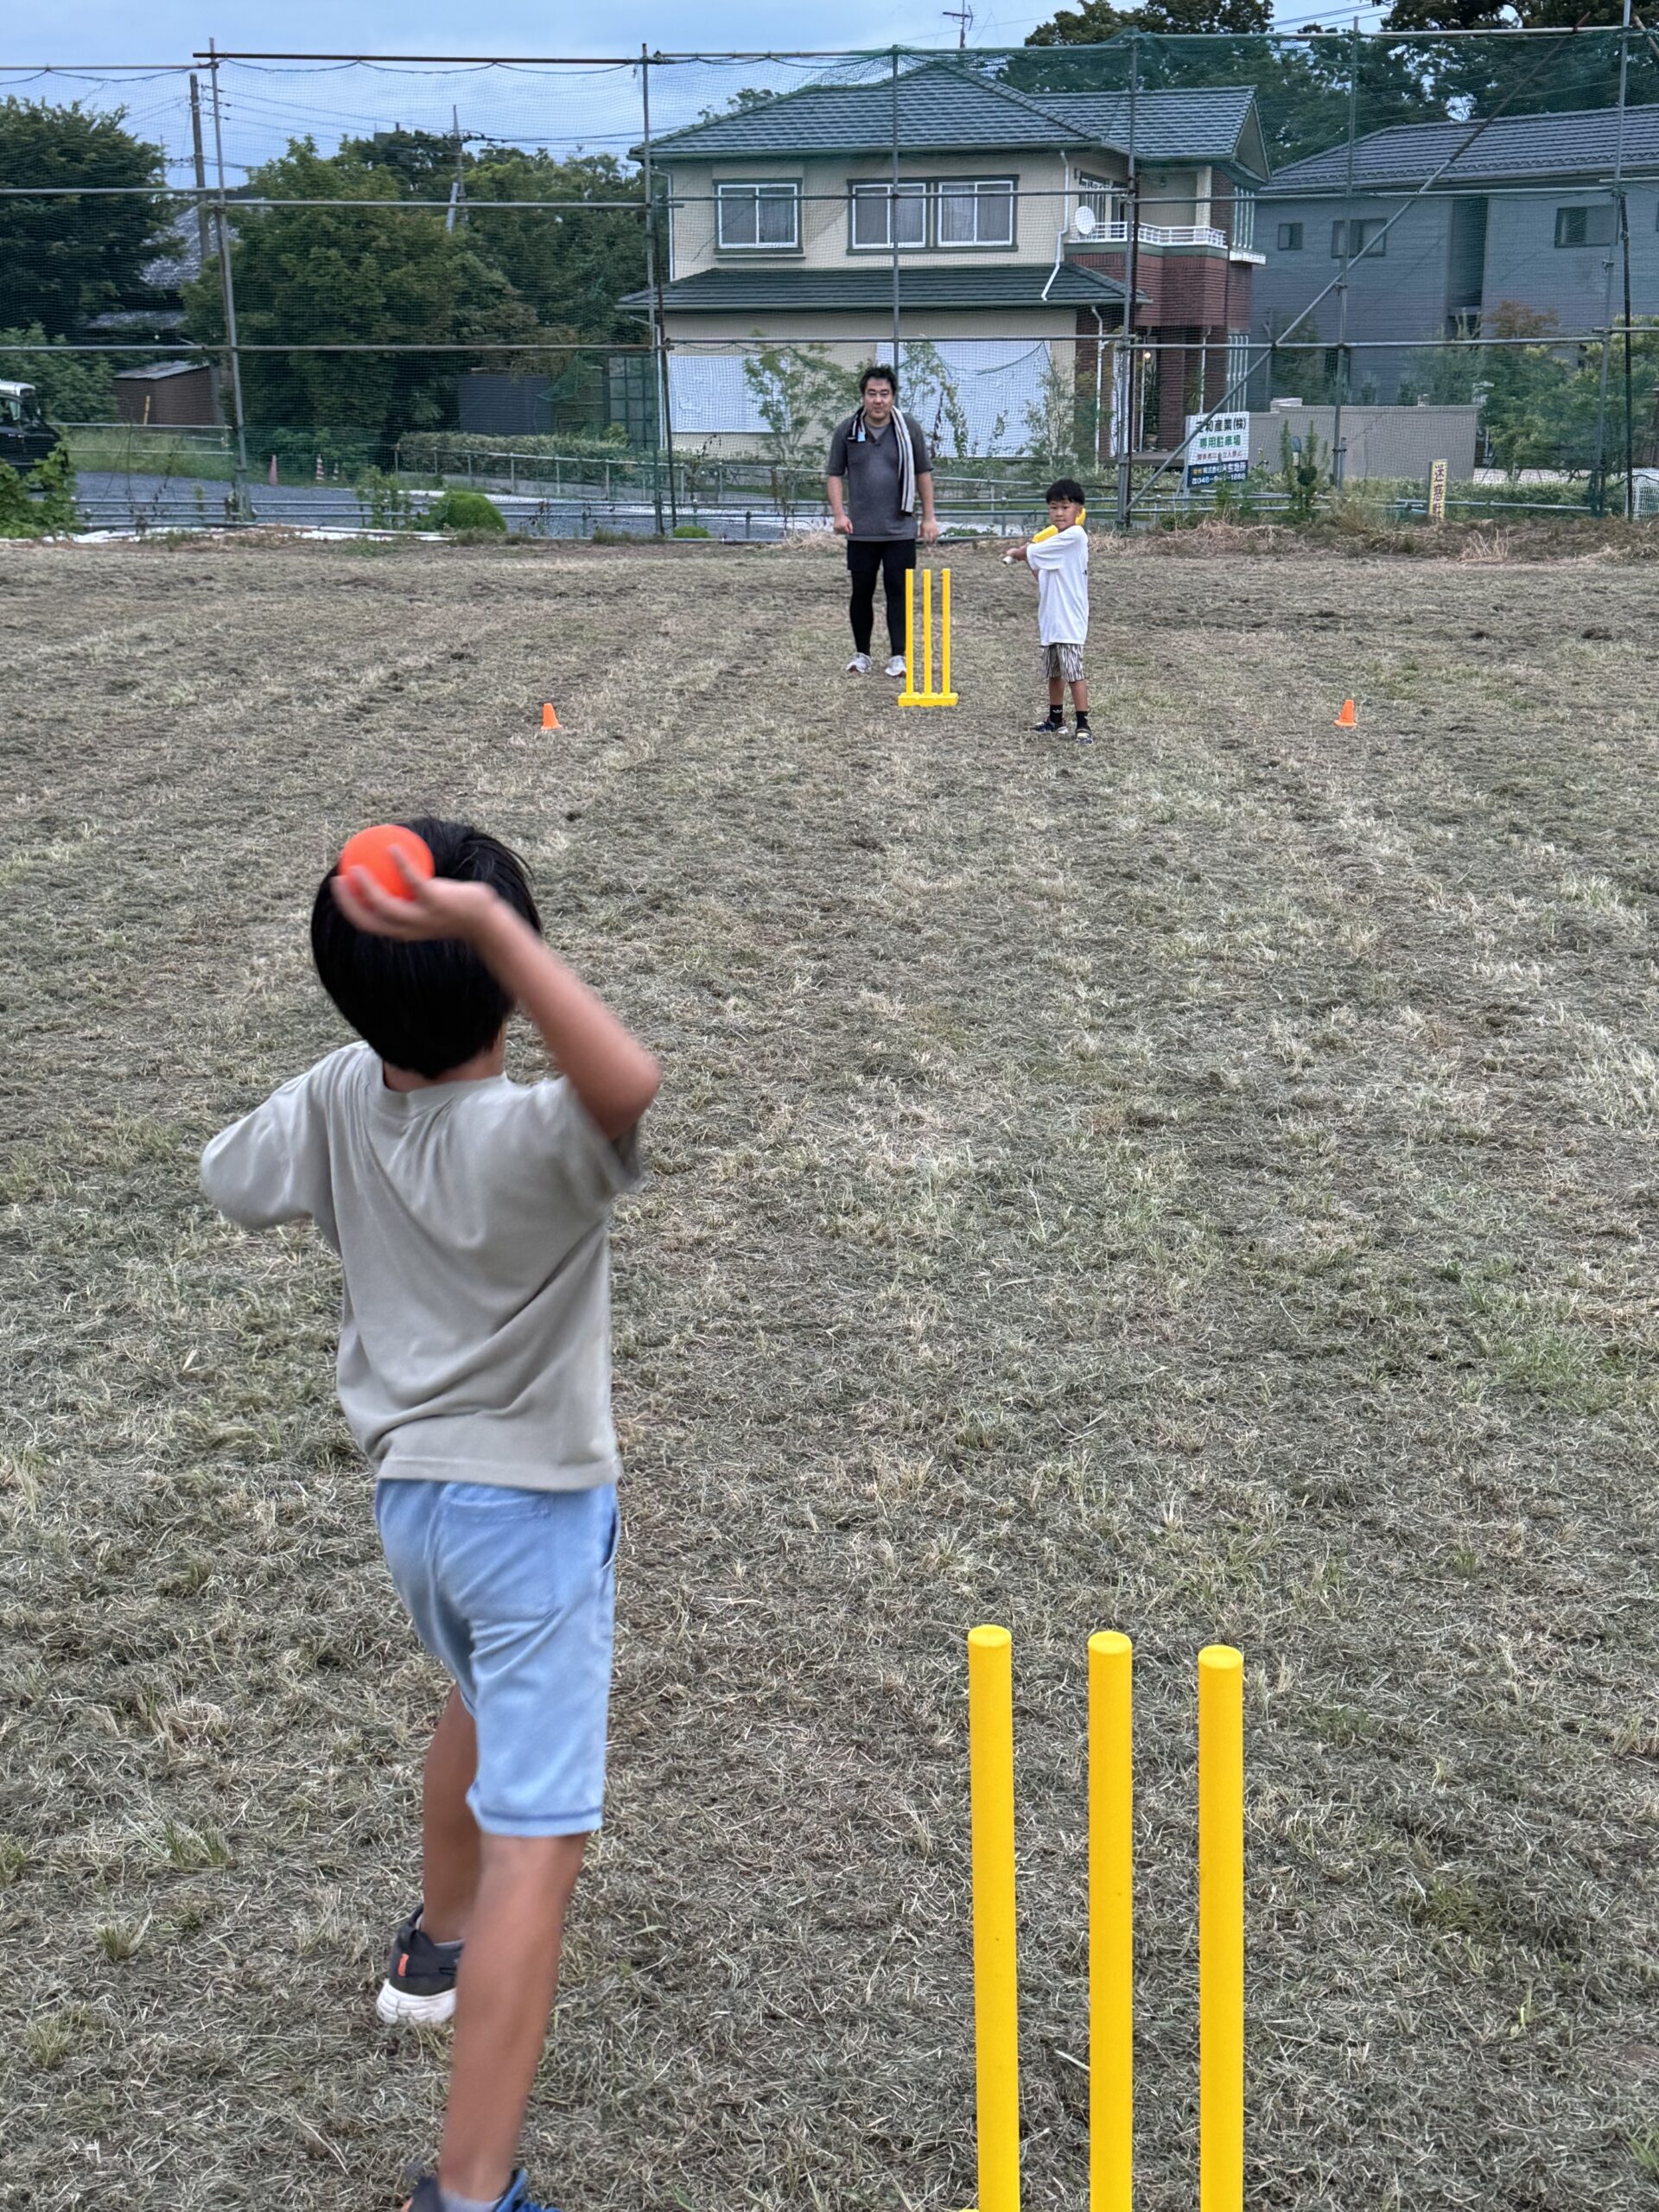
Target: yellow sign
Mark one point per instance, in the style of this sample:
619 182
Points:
1437 491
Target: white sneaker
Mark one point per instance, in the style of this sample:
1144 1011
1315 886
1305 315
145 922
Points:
858 665
895 666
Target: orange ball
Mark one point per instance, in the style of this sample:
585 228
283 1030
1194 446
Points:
373 849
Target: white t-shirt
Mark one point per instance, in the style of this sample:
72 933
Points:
1062 567
472 1221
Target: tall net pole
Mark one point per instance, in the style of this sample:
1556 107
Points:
892 212
1131 278
658 319
1349 218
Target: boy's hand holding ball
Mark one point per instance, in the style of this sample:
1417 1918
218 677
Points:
385 884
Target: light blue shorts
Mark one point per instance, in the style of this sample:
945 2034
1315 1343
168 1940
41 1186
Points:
513 1592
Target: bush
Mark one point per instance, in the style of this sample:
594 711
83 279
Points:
52 514
691 530
459 510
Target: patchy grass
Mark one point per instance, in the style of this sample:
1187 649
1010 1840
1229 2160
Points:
1200 1184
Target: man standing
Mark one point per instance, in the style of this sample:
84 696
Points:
880 467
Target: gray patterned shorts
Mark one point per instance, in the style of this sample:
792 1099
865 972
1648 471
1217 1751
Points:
1064 661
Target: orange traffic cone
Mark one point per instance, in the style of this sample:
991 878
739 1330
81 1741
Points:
550 719
1347 718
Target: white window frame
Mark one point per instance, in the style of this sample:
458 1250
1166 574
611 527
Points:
776 191
1244 219
980 189
910 192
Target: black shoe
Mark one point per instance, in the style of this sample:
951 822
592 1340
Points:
1054 727
420 1984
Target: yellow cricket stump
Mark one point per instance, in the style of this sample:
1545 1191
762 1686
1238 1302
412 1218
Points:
927 696
1111 1932
996 2024
1221 1930
1111 1926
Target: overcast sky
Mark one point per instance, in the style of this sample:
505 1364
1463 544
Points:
596 109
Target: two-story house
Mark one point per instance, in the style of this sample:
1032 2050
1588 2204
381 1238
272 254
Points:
1522 217
1011 211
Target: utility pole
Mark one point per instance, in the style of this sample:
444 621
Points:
240 484
458 186
1130 410
1349 221
201 170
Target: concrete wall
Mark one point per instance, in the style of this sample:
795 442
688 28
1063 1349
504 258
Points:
1379 440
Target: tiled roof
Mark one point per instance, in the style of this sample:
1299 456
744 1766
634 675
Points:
977 284
1579 142
947 108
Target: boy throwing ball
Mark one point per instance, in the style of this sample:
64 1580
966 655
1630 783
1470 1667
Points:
471 1214
1059 557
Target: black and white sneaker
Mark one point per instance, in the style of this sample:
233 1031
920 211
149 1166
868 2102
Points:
419 1989
1053 726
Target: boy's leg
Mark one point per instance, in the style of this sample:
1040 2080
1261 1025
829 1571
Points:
1080 694
862 562
509 1972
450 1834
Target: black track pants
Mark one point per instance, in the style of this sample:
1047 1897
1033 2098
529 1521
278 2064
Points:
890 557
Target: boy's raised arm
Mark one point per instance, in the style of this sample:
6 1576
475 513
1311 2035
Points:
609 1070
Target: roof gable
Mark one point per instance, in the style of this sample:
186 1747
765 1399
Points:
1576 142
949 107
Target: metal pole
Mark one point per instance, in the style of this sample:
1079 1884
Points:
1625 241
201 169
1349 221
1598 479
892 212
996 2016
240 476
1132 272
654 279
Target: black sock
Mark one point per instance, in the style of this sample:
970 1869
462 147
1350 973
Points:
1056 714
1082 717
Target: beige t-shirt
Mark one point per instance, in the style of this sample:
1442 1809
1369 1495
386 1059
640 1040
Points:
472 1221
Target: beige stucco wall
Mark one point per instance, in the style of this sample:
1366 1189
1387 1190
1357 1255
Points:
1046 184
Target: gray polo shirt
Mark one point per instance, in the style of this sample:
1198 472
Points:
870 468
472 1221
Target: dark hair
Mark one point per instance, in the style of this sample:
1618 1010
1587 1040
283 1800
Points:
1066 487
879 372
431 1006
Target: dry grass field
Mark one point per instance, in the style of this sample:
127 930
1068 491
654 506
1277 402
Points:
1202 1185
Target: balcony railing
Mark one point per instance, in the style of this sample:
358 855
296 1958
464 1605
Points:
1161 234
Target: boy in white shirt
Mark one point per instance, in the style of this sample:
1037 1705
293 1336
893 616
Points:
1059 558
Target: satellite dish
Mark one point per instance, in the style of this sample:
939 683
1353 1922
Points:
1084 222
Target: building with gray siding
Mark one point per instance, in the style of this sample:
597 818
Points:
1521 217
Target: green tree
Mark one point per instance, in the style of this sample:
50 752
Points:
571 260
72 387
1301 87
358 276
66 259
799 392
1524 76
